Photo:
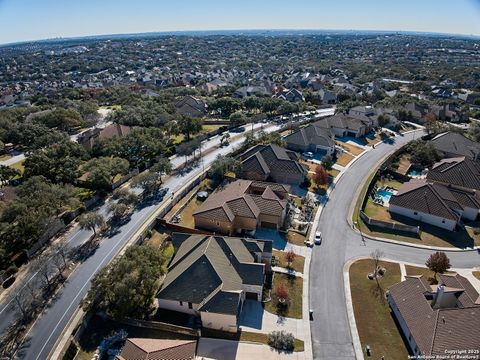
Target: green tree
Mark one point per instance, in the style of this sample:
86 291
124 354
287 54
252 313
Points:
221 165
162 167
91 221
118 210
474 131
127 287
103 170
327 162
225 106
438 262
189 126
148 181
7 173
59 163
422 152
237 119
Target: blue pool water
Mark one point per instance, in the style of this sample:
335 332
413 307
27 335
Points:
385 195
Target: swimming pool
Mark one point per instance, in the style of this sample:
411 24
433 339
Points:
415 173
385 195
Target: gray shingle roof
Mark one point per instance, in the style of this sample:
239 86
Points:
204 266
459 171
457 144
311 135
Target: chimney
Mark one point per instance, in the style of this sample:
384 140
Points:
437 301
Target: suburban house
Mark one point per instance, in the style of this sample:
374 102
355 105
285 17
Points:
448 112
311 138
460 172
211 276
272 163
327 97
452 144
417 111
292 95
246 91
88 138
191 106
437 319
146 349
242 206
345 125
434 203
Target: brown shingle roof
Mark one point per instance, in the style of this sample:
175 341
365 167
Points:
437 330
157 349
236 199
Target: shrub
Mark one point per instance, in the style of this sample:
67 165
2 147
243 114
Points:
281 340
12 269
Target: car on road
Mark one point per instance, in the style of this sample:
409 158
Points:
308 154
318 238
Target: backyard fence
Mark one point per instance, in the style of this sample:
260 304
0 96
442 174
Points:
389 225
161 326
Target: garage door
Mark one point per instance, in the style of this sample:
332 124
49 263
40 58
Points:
268 225
251 296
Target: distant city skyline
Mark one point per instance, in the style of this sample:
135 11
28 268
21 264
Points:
25 20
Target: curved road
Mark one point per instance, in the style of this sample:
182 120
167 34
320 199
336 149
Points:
331 337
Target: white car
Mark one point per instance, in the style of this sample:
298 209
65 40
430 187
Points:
308 154
318 238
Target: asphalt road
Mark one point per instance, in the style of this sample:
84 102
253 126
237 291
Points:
50 324
331 337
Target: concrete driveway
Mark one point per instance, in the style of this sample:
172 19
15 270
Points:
230 350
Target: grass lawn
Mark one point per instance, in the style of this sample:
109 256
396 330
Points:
156 240
186 216
99 328
209 128
246 336
295 291
295 238
85 194
344 159
355 150
178 139
416 270
375 323
297 264
333 173
19 166
476 274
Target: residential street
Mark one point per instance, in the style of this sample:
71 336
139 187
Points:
331 337
49 326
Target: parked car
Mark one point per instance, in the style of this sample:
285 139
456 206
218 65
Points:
309 243
308 154
318 238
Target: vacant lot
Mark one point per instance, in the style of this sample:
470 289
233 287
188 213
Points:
404 164
375 324
297 264
344 159
294 286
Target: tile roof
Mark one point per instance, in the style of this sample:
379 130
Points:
457 144
236 198
157 349
425 197
208 270
459 171
439 329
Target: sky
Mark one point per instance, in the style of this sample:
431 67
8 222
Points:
22 20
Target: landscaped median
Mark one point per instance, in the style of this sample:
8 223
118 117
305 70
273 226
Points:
374 320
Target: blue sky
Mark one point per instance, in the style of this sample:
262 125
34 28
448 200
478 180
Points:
39 19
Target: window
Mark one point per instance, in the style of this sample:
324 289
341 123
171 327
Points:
181 303
443 221
190 305
415 213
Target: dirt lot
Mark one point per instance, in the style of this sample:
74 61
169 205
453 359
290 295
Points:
404 164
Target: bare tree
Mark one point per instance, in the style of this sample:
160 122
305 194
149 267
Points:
376 256
63 253
32 287
59 263
44 270
23 304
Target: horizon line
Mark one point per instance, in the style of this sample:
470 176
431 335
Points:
179 32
